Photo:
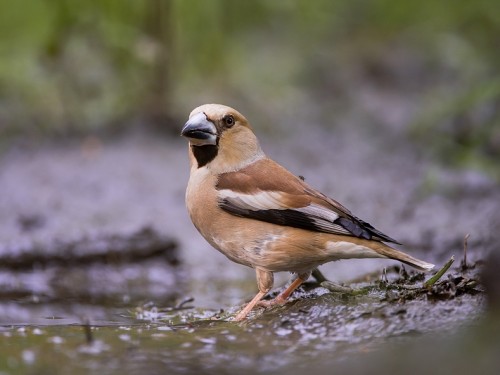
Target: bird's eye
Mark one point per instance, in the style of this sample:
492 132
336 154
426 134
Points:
229 120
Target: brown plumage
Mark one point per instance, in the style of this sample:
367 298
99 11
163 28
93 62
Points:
260 215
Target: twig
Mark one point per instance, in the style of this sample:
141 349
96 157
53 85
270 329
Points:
336 288
87 330
439 273
464 260
383 278
409 287
182 305
332 287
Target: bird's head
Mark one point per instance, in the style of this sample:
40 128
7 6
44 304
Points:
221 138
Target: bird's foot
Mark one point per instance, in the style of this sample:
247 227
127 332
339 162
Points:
278 301
243 313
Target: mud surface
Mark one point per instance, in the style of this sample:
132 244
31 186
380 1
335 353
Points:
62 207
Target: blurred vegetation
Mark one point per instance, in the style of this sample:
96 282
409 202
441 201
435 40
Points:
76 67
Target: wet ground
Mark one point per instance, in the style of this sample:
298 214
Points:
99 262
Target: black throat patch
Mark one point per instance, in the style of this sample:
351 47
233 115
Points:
204 154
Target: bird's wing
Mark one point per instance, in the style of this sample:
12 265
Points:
266 191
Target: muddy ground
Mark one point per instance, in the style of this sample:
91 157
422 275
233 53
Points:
69 210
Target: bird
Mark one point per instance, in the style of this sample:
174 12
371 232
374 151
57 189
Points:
259 214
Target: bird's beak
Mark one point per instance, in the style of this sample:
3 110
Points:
200 131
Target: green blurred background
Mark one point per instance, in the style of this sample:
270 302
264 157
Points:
426 72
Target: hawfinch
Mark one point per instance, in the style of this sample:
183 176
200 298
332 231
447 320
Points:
259 214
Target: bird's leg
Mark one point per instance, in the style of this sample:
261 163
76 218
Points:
281 298
265 281
318 275
243 313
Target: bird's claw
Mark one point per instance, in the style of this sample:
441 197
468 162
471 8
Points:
271 303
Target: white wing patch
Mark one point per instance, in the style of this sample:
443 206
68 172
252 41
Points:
265 200
319 213
322 217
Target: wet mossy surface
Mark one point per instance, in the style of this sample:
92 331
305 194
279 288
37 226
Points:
183 338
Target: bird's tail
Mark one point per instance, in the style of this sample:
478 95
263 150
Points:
389 252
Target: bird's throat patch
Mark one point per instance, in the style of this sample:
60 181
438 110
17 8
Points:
204 154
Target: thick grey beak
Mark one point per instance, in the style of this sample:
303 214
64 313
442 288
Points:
200 131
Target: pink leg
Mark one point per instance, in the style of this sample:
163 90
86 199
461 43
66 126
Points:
265 280
283 296
243 313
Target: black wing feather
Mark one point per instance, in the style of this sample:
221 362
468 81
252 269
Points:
287 217
362 229
294 218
